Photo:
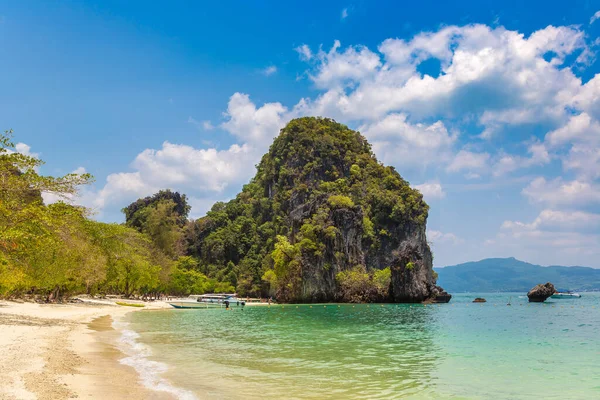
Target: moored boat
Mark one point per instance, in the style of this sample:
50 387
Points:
567 294
206 301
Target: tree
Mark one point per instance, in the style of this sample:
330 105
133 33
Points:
136 216
32 236
161 225
55 250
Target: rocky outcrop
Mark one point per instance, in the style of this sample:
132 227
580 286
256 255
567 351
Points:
412 270
480 300
541 292
322 220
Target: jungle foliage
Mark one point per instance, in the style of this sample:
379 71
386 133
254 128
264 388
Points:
314 167
52 251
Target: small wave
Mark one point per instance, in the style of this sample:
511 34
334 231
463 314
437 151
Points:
149 371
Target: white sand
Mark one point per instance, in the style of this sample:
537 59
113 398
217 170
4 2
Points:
65 351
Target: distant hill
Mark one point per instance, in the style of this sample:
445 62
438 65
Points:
512 275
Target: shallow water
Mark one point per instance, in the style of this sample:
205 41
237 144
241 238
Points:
459 350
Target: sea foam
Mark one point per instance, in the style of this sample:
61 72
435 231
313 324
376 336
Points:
150 371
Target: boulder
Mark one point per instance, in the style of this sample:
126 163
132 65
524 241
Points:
541 292
480 300
438 295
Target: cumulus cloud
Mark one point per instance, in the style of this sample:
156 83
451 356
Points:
179 167
343 68
431 190
400 142
555 220
344 13
564 193
595 17
22 148
578 127
498 72
251 124
469 161
25 150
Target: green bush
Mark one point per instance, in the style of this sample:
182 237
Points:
340 201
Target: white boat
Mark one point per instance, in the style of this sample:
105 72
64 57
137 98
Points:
566 295
206 301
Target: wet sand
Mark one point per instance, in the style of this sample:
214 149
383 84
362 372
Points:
55 352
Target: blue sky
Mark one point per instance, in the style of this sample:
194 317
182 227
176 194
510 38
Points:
490 108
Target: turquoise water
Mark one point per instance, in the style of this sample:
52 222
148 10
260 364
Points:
459 350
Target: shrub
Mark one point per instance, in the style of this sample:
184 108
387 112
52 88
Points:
340 201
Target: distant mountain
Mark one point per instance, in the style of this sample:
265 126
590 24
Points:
512 275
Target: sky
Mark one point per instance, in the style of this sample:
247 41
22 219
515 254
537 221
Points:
491 109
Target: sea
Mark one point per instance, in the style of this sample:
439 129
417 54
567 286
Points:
459 350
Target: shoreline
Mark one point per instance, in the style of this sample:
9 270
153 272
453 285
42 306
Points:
66 351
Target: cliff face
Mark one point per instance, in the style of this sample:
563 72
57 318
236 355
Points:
322 220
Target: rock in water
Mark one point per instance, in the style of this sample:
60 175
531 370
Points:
321 221
480 300
541 292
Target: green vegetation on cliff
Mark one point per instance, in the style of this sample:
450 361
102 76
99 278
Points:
318 221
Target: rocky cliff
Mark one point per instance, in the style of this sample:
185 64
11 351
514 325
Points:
322 220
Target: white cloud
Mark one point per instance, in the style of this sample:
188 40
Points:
79 170
498 72
431 190
305 52
585 159
437 237
25 150
581 136
560 192
179 167
507 163
469 161
345 13
270 70
396 140
252 124
22 148
595 17
579 127
564 221
337 69
554 237
588 97
539 153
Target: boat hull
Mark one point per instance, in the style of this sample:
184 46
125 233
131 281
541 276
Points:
565 296
195 304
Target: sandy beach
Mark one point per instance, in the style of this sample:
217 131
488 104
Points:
66 351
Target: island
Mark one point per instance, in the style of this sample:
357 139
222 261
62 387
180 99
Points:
321 221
